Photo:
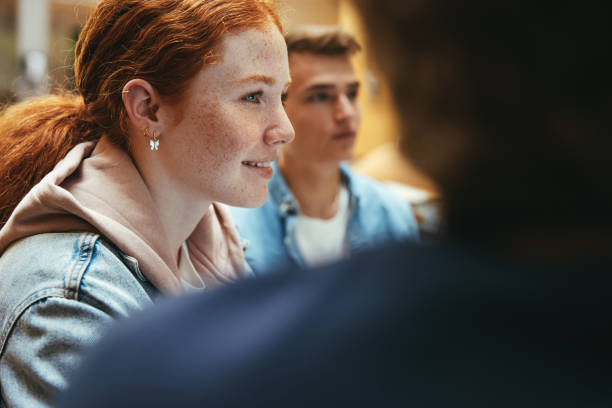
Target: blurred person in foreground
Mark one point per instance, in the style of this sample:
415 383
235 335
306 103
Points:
507 106
319 210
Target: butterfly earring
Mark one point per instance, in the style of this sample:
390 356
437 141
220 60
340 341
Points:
154 141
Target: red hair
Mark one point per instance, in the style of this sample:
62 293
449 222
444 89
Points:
165 42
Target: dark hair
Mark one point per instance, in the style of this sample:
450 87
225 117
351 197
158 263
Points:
166 42
507 105
322 40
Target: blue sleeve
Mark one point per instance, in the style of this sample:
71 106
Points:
393 214
54 307
44 347
409 229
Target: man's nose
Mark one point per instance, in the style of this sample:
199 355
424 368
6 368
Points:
344 108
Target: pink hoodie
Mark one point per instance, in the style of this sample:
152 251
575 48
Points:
97 188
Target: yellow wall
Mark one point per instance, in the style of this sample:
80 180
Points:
299 12
379 124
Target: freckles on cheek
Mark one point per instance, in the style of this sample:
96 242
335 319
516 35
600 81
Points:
218 138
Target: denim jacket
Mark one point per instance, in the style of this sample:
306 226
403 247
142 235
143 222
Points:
58 293
377 216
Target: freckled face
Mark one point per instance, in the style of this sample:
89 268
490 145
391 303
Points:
232 121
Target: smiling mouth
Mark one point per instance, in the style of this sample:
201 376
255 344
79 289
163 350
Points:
257 164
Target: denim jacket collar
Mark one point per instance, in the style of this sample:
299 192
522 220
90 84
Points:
286 202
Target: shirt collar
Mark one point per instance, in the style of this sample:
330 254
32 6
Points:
280 193
286 202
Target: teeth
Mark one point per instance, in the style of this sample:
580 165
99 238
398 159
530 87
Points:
256 164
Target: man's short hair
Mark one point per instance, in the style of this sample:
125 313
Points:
321 40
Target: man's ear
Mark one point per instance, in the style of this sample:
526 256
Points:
141 102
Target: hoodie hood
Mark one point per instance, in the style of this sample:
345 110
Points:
97 188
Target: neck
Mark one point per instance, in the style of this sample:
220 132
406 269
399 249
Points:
315 186
178 209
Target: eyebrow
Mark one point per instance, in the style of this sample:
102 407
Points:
257 78
330 87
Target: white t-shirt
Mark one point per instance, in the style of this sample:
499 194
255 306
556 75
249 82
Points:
324 241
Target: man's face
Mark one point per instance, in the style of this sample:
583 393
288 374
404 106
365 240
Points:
322 106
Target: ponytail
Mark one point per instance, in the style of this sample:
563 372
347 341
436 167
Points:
34 136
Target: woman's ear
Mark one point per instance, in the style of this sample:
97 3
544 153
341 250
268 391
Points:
141 102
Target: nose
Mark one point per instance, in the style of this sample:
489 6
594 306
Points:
344 108
281 132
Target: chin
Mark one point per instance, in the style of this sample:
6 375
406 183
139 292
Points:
348 156
344 156
250 199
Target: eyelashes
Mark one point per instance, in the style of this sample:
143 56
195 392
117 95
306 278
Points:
256 97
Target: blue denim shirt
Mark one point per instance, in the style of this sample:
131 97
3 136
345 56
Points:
377 216
58 293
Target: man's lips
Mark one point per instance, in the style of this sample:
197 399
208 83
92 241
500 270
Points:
348 134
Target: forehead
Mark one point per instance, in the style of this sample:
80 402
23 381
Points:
247 53
309 69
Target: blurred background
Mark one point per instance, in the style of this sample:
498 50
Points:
37 39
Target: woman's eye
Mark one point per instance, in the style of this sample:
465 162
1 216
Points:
254 97
283 98
352 94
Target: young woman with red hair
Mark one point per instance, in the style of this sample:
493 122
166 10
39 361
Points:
110 197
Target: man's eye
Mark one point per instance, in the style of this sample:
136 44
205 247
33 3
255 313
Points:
319 97
254 97
352 94
284 98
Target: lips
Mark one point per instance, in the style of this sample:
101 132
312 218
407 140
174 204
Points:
261 168
257 164
345 135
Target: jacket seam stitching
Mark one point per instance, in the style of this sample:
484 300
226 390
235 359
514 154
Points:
21 307
80 266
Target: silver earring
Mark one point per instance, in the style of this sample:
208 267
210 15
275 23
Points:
153 141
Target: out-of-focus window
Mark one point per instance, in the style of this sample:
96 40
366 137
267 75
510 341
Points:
8 57
65 19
